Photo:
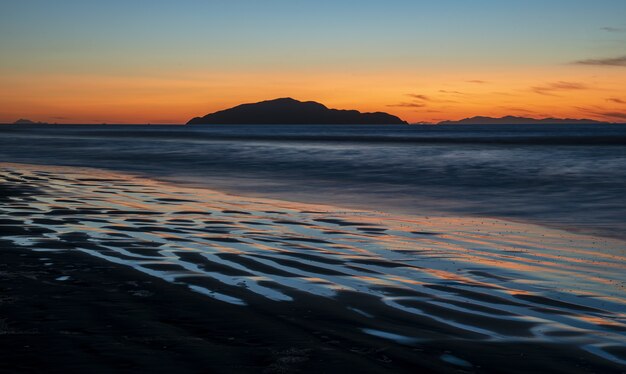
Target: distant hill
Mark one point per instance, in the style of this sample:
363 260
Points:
512 120
293 112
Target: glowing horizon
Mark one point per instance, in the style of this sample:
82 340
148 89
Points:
160 62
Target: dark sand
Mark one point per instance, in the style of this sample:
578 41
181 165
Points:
107 318
62 310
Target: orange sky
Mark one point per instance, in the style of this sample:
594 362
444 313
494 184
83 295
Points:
565 91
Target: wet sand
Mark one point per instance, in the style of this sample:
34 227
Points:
105 271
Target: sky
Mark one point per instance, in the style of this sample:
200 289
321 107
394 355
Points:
157 61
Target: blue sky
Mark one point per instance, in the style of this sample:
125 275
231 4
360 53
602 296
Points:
299 33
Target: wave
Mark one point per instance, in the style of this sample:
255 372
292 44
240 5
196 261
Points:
467 134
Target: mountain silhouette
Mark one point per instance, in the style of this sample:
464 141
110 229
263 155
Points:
512 120
293 112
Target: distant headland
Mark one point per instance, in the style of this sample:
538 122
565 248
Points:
23 121
293 112
512 120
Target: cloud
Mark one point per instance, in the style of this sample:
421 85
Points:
550 88
419 97
503 93
518 109
613 29
616 100
611 61
620 115
408 105
477 81
430 99
598 111
452 92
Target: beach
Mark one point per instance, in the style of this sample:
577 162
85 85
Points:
126 272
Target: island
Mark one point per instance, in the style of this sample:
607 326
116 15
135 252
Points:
293 112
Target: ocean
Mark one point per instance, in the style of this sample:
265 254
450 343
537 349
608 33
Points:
569 176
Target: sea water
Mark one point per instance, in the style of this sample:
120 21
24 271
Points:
571 176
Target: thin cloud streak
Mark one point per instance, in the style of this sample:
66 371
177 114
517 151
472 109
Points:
604 113
611 61
452 92
550 88
429 99
419 97
517 109
613 29
619 115
616 100
407 105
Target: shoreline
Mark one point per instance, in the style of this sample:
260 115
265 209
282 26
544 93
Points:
376 289
194 182
308 198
